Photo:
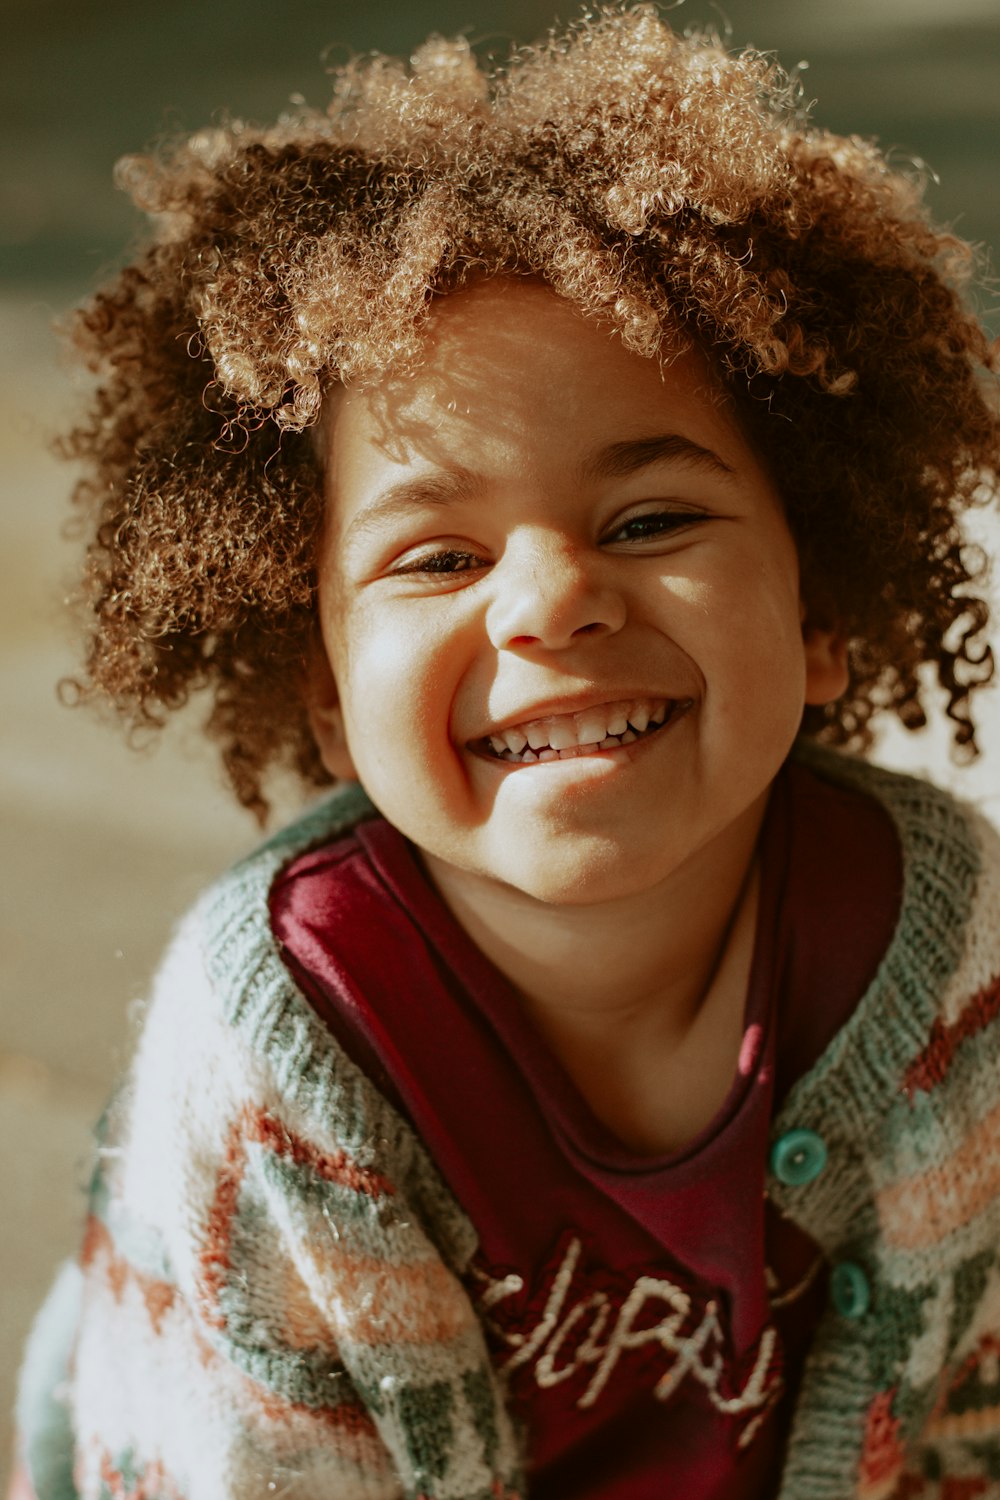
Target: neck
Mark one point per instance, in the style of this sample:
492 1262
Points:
630 976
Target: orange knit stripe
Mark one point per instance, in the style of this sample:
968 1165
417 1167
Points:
350 1419
99 1247
380 1303
921 1210
882 1456
215 1258
261 1128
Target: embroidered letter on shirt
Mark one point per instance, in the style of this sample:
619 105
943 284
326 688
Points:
583 1328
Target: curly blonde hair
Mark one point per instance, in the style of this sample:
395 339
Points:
660 184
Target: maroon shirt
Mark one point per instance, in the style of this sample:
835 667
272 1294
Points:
649 1312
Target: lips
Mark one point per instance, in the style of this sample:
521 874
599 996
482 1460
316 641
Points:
606 726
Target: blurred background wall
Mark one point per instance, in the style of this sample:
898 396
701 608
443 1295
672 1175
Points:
104 847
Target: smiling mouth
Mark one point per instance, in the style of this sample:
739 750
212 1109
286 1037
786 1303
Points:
590 732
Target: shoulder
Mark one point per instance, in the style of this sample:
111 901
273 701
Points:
222 987
256 1202
232 1059
906 1095
950 919
228 934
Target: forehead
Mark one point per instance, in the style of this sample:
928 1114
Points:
511 375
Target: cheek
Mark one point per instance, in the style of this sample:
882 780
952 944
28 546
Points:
735 605
754 656
771 590
397 683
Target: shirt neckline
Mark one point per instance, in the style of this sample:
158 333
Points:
568 1114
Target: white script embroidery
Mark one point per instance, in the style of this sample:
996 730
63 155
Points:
592 1334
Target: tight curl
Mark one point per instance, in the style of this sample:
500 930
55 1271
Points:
666 188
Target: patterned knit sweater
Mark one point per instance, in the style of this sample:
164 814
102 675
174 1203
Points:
272 1295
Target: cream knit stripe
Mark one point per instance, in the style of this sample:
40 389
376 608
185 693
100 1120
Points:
933 1346
374 1277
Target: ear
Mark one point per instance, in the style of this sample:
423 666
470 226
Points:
326 718
827 674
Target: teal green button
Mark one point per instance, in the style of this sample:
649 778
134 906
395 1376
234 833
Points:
850 1290
798 1157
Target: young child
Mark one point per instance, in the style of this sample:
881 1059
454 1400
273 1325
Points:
594 1098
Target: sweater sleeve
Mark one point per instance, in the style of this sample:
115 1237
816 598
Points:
272 1296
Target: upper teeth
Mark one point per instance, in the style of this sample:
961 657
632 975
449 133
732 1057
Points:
589 727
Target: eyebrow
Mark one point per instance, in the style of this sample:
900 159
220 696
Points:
615 461
447 487
618 460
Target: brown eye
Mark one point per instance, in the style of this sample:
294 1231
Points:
650 525
448 561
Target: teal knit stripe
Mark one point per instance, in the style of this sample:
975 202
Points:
378 1227
428 1402
310 1378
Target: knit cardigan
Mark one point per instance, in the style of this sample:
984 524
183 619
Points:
273 1292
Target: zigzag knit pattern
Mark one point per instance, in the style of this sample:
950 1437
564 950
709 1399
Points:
275 1287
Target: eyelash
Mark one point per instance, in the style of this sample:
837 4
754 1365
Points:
433 562
657 523
652 524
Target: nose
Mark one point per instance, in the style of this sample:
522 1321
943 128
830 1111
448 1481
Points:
553 594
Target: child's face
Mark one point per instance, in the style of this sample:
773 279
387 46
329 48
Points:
538 534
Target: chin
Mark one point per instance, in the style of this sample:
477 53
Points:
590 880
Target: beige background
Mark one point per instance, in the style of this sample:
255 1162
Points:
103 848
